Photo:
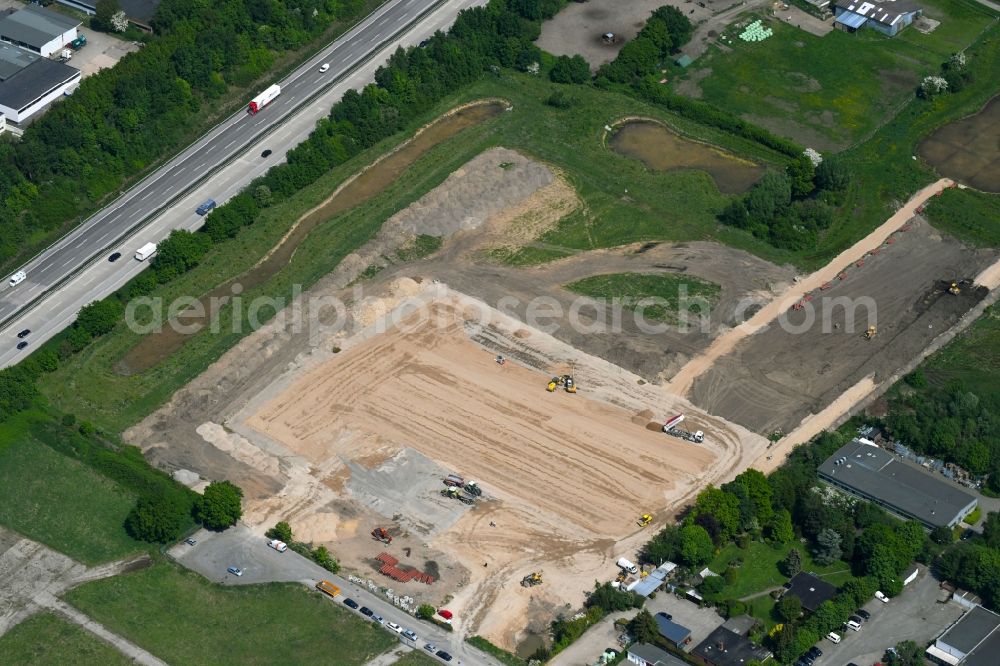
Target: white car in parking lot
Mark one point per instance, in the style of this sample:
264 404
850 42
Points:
881 597
392 626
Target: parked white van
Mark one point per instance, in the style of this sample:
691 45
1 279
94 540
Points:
851 624
17 278
833 637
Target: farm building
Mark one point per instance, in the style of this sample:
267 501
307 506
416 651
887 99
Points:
887 17
900 486
29 82
38 30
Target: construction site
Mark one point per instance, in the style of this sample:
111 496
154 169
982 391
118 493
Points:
443 447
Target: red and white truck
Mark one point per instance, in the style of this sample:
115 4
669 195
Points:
263 99
279 546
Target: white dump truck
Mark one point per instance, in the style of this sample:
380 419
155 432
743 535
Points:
627 565
145 252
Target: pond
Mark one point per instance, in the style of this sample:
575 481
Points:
662 150
968 150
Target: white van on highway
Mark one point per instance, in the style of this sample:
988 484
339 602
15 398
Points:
17 278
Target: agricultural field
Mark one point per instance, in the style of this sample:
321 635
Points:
181 618
830 92
45 639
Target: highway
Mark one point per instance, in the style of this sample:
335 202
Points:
75 270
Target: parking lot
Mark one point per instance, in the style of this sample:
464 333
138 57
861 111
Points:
914 615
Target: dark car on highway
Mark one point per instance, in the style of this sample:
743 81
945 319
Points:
443 656
22 344
25 333
350 603
115 256
367 612
266 153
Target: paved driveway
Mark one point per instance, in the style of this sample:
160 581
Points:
240 547
914 615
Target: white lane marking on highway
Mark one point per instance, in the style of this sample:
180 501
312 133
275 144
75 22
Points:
148 194
66 263
231 143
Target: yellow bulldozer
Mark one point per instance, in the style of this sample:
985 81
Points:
532 580
954 289
870 333
566 381
646 519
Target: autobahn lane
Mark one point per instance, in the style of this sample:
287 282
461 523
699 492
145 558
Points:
102 231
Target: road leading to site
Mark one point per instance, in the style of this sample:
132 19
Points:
99 233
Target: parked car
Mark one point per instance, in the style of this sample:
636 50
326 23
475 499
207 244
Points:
25 333
815 652
325 66
392 626
409 634
266 153
236 571
22 344
115 256
861 612
367 612
833 637
378 618
443 656
854 623
190 542
351 603
881 597
430 647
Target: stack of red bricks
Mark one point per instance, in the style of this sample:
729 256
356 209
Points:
390 569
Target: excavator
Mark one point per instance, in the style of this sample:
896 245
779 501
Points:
646 519
473 489
870 333
954 289
532 580
565 381
382 534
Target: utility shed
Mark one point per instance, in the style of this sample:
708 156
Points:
974 640
900 486
674 633
38 30
654 580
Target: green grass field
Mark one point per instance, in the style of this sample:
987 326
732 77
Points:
48 640
632 288
830 92
183 619
760 571
972 359
58 501
968 215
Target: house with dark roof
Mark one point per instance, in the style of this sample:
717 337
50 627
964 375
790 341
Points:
885 16
29 82
724 647
974 640
676 634
645 654
810 590
900 486
38 30
139 12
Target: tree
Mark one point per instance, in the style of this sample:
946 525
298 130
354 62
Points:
100 317
179 253
780 528
281 531
943 535
664 547
119 21
104 14
570 70
262 195
991 529
828 547
609 598
696 546
425 611
158 519
643 627
220 506
769 197
906 653
725 507
712 586
801 172
322 557
788 608
792 564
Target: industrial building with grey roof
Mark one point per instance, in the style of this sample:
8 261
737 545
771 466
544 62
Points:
972 641
900 486
38 30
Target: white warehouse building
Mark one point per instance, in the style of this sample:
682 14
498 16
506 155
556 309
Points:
28 82
38 30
